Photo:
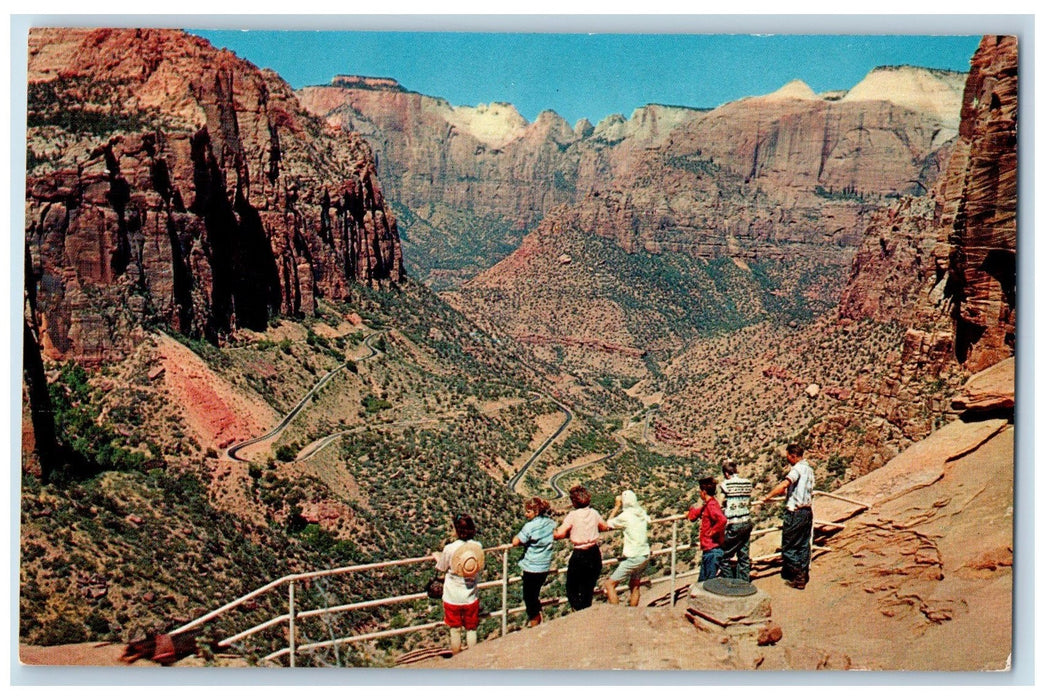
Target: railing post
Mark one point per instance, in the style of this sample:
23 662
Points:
290 623
504 593
674 552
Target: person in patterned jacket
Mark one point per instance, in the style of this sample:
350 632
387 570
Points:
736 559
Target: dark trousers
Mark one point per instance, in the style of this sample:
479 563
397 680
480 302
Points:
794 544
532 582
737 544
582 574
709 561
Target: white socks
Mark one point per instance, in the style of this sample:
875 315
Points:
472 636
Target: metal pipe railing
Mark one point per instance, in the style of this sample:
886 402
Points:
290 624
504 593
842 498
294 615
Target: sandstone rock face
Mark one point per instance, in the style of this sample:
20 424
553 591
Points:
852 147
990 391
737 180
943 265
979 220
895 272
172 183
919 89
897 278
487 159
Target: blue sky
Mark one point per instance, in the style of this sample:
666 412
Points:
589 75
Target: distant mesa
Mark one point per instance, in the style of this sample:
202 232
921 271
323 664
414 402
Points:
362 82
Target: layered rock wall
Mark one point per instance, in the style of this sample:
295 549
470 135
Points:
740 180
171 183
867 147
943 265
979 219
946 263
486 159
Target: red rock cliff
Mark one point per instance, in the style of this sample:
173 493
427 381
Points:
172 183
979 219
950 258
943 265
791 166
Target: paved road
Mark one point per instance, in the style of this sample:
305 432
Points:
557 476
514 481
554 480
233 451
314 448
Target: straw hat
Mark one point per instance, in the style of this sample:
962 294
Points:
467 560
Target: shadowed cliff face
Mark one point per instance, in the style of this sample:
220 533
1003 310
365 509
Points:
947 261
170 183
943 265
979 221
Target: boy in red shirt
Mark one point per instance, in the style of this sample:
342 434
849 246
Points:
712 528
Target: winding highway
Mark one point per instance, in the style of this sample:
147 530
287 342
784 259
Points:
315 447
233 451
514 481
554 480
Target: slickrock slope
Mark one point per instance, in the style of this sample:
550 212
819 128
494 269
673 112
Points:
172 183
790 166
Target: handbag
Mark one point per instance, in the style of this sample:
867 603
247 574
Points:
434 588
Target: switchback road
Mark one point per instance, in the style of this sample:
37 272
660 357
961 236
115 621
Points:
233 451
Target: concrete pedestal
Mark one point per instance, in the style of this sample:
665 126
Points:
730 613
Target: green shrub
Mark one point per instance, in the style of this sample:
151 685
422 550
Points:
62 631
287 453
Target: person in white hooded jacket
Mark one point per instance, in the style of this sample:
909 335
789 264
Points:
634 520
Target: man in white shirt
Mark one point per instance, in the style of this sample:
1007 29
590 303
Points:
797 532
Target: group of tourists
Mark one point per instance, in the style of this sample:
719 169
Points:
725 536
